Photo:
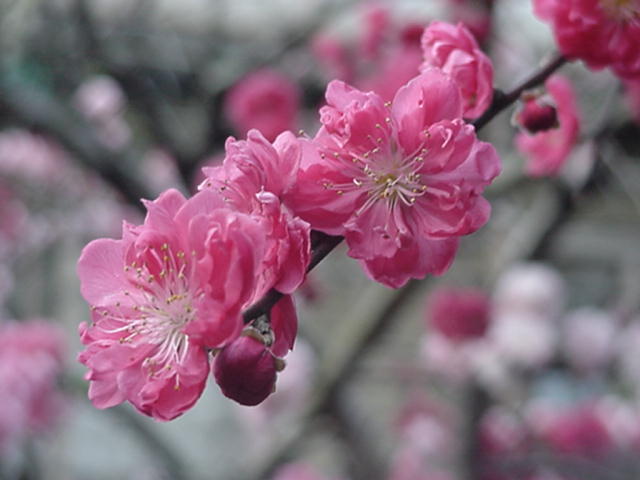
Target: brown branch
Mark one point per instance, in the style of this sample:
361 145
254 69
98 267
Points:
502 100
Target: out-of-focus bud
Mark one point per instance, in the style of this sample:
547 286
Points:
536 115
246 370
458 314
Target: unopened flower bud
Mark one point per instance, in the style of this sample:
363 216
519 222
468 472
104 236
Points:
535 115
246 371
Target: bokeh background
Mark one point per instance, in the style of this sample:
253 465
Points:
104 102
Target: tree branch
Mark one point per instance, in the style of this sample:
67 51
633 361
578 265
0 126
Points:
502 100
321 246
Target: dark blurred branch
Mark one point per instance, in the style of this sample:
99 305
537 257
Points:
36 109
153 443
502 100
366 322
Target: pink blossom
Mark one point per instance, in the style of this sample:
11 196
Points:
102 101
401 182
392 71
256 178
298 471
502 433
100 97
33 158
409 464
458 314
589 338
547 151
427 426
376 24
265 100
453 49
30 363
531 288
160 295
523 339
14 217
333 56
579 431
603 33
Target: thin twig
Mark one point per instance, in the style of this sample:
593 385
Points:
502 100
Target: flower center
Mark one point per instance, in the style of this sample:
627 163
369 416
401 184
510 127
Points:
159 308
622 10
384 175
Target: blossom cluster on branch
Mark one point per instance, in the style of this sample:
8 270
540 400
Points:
401 181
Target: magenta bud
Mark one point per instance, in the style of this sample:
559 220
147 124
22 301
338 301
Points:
246 371
459 314
536 116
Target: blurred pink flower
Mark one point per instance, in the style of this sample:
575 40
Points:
333 56
265 100
603 33
576 431
532 288
30 363
589 339
100 97
502 433
392 71
298 471
377 23
458 314
161 295
401 182
454 50
29 157
102 101
523 339
14 219
547 151
409 464
160 169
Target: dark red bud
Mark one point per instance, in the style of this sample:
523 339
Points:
246 371
536 116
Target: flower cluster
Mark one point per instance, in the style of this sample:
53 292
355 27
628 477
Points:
603 33
400 180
